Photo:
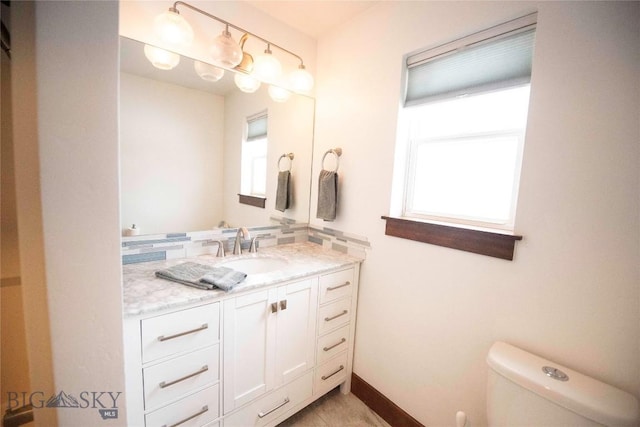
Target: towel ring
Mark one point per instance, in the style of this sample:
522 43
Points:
290 156
336 152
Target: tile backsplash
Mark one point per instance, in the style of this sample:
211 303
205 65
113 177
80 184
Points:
158 247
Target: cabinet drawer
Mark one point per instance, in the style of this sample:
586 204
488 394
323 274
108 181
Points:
274 404
336 285
334 315
331 344
169 380
196 410
180 331
330 374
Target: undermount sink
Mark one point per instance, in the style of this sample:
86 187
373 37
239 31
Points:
256 265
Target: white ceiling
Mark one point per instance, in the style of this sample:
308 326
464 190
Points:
312 17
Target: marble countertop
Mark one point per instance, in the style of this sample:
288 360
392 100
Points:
144 293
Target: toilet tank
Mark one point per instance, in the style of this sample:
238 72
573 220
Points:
521 393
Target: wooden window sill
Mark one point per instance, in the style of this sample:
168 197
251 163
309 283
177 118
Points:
477 241
258 202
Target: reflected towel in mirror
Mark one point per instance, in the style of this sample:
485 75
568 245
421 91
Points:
283 192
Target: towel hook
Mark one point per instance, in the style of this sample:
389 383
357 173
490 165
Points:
290 156
336 152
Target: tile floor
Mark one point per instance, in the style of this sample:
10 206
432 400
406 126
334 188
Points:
335 410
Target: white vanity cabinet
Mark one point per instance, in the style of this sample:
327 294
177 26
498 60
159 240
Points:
173 368
249 358
269 339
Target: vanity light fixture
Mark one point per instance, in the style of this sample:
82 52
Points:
172 29
225 51
160 58
301 80
266 66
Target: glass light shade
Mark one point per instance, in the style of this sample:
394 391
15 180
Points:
279 94
267 67
208 72
301 80
225 52
246 83
172 30
160 58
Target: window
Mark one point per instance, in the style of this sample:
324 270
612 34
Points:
461 134
253 180
465 156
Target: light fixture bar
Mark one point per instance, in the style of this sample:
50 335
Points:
229 24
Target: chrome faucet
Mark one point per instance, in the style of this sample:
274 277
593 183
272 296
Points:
242 233
220 249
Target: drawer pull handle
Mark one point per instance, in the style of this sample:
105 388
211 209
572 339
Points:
329 319
335 345
162 338
333 288
202 411
164 384
326 377
264 414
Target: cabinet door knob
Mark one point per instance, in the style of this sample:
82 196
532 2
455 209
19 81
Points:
283 304
274 307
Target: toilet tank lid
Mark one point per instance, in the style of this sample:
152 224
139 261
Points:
581 394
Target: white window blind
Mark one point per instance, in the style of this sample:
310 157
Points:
257 126
496 58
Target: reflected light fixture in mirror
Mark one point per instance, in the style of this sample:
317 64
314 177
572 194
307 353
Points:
174 31
208 72
246 83
279 94
160 58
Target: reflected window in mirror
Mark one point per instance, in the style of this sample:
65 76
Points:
253 169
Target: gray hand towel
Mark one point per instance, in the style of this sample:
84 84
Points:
224 278
193 274
283 193
327 195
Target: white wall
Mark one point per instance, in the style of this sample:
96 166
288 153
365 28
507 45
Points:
171 148
427 314
66 138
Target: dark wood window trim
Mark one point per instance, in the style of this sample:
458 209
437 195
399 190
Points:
477 241
258 202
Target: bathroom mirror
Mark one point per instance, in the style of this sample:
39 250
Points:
180 148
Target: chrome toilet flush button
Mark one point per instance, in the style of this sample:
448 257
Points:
555 373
